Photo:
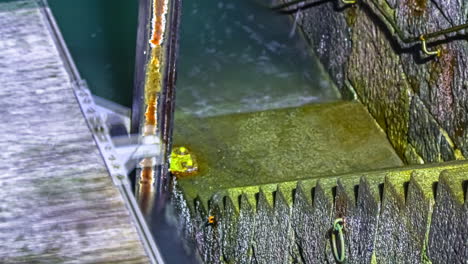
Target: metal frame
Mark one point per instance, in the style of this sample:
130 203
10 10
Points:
102 138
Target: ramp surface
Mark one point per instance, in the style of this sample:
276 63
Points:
58 203
282 145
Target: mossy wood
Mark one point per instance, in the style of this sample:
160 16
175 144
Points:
405 215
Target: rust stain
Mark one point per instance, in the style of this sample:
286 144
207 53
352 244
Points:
146 176
442 74
151 116
416 7
152 89
341 206
146 187
159 21
153 85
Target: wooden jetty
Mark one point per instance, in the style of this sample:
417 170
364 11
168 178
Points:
58 201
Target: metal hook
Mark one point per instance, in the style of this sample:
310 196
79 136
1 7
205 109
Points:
211 221
424 47
338 226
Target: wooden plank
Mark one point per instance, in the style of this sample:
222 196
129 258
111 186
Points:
57 201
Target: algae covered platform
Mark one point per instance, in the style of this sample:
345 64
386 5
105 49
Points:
281 145
58 203
273 183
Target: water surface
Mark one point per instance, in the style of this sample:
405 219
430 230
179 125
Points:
238 56
101 37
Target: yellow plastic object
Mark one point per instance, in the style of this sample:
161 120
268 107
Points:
211 220
183 163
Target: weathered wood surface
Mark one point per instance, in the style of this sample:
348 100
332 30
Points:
57 201
405 215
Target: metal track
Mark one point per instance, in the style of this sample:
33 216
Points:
102 139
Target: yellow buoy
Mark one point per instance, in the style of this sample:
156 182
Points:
183 162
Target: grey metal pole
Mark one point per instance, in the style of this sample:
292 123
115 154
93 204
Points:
153 184
141 59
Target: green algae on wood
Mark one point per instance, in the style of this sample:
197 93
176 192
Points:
281 145
397 228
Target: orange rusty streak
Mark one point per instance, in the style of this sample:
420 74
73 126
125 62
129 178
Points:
146 176
159 21
145 197
150 113
146 187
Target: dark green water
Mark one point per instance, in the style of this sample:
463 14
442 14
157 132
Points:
101 37
238 56
235 55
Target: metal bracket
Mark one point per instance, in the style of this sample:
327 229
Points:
100 133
